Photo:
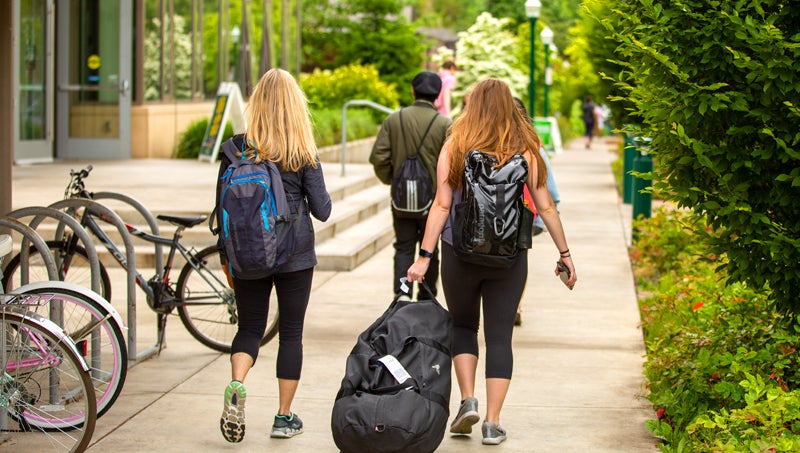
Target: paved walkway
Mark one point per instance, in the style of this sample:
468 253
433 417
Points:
577 381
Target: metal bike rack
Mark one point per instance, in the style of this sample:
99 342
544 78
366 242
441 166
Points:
39 213
130 256
30 235
148 217
364 102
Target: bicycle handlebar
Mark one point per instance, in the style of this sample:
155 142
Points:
76 186
83 173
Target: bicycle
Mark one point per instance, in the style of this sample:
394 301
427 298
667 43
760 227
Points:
91 322
47 402
204 300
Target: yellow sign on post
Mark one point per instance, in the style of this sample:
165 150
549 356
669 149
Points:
229 106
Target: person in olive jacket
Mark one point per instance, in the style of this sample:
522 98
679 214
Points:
393 144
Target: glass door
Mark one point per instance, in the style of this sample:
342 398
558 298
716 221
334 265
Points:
33 80
94 73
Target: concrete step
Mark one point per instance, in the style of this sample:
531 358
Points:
350 248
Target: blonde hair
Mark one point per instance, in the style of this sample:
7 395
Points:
278 123
492 124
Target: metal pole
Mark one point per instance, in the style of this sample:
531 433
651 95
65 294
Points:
532 84
546 70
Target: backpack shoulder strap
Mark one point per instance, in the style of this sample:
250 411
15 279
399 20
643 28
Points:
229 149
426 132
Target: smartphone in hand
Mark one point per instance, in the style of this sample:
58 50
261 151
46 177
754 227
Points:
563 272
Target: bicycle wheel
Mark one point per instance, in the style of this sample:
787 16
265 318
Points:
208 306
47 396
95 327
73 267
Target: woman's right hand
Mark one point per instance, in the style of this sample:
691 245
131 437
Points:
573 277
416 273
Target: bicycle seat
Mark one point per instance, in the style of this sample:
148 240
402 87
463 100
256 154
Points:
183 221
5 244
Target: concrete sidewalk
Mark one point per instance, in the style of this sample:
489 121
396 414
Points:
578 355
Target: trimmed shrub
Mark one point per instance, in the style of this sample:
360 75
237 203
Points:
715 85
191 139
331 89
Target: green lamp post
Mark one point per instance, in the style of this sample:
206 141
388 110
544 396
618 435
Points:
547 40
532 9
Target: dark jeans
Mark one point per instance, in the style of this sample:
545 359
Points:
252 302
408 234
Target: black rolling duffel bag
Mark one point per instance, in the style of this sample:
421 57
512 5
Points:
395 394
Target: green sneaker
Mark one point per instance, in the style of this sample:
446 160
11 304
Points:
285 427
232 421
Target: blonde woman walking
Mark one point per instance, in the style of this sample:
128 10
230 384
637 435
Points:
279 130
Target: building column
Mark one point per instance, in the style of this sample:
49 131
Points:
6 123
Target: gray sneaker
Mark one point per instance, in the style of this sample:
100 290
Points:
285 427
466 417
493 434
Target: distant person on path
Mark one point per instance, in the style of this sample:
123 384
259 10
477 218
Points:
448 76
279 130
402 133
588 119
491 123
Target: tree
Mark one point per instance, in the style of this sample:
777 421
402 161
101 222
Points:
716 86
593 62
489 49
369 32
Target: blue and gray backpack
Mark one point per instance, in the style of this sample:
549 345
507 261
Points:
254 223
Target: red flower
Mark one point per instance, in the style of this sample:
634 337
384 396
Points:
660 413
697 306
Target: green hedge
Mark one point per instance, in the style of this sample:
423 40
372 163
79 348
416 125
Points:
715 85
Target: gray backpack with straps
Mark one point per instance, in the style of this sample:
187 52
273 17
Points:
254 223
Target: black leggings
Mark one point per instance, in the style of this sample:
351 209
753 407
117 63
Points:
464 285
252 302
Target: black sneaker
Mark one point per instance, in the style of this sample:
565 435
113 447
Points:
285 427
466 417
232 421
493 434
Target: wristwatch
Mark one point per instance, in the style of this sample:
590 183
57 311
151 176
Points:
425 254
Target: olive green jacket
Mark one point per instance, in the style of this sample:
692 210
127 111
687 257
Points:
391 147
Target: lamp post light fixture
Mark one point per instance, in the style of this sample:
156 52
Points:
532 9
547 40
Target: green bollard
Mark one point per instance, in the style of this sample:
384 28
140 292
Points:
642 202
629 153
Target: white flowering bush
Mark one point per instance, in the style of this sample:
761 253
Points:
488 49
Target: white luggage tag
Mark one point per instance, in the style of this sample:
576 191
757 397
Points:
395 367
403 286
